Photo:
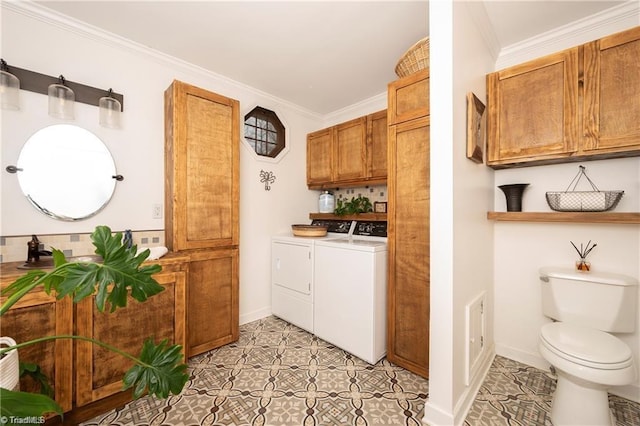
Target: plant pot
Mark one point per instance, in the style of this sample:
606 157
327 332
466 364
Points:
513 194
9 366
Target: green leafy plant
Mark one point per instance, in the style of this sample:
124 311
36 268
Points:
356 205
159 369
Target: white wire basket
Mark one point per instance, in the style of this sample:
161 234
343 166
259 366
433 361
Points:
583 201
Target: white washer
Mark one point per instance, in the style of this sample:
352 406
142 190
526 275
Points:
350 279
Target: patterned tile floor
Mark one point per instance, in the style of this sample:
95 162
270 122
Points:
280 375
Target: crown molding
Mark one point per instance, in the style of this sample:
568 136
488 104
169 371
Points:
618 18
48 16
480 17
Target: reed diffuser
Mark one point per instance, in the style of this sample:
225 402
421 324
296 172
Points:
583 252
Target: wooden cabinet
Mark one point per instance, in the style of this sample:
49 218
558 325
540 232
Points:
349 150
409 98
577 104
99 372
612 94
37 315
201 168
348 154
319 156
87 379
408 227
212 316
202 215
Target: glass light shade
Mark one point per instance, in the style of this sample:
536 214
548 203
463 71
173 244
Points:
109 112
61 100
9 91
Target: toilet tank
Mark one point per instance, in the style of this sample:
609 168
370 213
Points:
604 301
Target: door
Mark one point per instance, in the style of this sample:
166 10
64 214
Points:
533 110
212 300
349 150
377 130
319 157
408 240
291 266
201 167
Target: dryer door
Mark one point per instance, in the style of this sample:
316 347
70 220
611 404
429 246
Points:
291 266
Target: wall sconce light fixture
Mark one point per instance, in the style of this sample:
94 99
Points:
9 88
62 94
61 100
109 111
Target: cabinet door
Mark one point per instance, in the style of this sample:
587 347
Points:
377 130
201 168
408 245
349 150
533 110
319 157
212 300
612 93
409 98
37 315
99 371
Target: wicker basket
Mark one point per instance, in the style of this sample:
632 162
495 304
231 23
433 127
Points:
309 230
414 59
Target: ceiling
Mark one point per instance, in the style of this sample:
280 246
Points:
320 55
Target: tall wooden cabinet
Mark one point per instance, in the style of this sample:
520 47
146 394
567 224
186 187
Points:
408 223
202 134
578 104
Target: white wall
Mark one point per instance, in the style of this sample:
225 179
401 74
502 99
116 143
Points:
44 42
461 195
521 248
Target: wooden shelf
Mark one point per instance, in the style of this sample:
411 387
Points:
374 217
574 217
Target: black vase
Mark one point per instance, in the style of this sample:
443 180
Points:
513 193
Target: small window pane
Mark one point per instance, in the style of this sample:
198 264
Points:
264 132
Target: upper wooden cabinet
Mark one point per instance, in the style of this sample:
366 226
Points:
612 93
408 98
581 103
348 154
202 134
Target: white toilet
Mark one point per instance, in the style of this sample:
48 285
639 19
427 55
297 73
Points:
588 360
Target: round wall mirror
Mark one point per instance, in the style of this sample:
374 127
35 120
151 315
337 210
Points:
66 172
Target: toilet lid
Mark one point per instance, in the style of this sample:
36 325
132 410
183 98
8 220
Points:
587 346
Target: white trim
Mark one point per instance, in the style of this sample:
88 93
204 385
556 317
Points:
578 32
468 397
478 13
374 100
82 29
255 315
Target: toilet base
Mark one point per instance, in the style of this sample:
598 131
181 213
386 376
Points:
579 402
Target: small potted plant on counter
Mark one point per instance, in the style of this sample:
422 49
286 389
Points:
158 370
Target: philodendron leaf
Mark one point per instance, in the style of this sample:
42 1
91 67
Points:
163 373
20 405
112 279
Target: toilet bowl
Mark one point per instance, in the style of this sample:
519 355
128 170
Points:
588 360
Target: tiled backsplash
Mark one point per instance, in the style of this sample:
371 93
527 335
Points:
14 248
374 193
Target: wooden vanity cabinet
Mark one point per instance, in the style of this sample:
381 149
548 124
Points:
578 104
348 154
408 287
99 372
37 315
202 190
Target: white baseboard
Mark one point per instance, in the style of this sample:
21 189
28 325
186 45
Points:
255 315
436 416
